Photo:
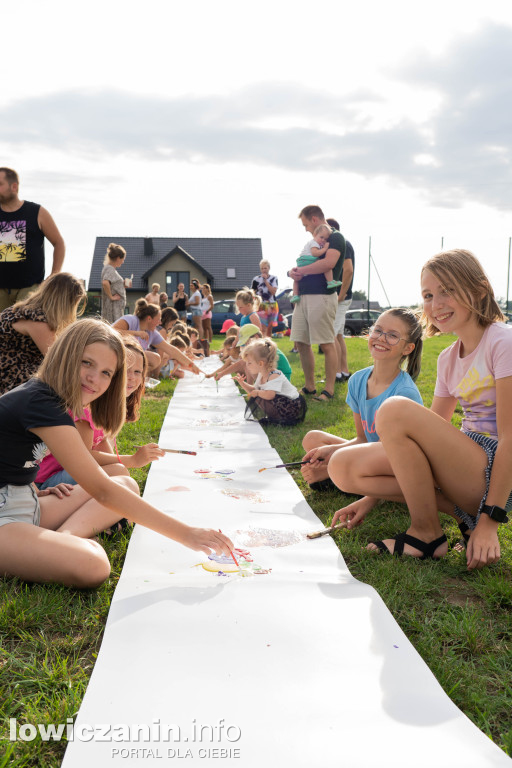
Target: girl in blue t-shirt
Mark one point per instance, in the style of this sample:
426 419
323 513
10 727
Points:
395 344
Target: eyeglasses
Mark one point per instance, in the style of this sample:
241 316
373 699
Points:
391 337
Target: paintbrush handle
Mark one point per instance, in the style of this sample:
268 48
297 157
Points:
172 450
325 531
292 464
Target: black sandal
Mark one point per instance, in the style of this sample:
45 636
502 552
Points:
401 539
466 533
308 391
121 526
323 485
327 394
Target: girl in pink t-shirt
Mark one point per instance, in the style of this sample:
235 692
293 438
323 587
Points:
424 459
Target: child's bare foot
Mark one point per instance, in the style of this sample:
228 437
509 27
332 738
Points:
314 474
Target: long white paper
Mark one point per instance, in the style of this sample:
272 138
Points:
303 666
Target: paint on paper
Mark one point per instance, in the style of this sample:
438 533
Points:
224 565
242 493
178 488
266 537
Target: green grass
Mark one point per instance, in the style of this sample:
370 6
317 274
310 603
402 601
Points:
460 622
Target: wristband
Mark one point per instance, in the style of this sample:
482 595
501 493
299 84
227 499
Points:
498 514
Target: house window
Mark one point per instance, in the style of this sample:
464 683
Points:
230 272
173 279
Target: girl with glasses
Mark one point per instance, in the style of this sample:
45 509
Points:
395 344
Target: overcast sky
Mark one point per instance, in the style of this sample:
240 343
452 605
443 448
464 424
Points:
223 120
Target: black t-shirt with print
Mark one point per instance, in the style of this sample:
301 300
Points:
33 404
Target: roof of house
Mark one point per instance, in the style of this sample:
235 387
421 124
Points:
211 254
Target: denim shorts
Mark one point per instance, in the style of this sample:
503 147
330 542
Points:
59 477
196 312
489 445
19 504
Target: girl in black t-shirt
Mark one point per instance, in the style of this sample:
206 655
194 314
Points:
48 538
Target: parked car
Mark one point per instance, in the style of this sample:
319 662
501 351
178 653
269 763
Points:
283 301
226 309
358 321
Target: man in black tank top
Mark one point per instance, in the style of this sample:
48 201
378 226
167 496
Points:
23 229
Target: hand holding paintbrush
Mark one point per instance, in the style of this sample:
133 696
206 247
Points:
291 464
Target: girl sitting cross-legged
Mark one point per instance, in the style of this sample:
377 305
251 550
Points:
395 341
49 538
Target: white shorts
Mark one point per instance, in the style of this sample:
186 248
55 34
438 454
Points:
19 504
341 311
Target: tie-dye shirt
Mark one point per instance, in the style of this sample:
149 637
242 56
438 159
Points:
472 379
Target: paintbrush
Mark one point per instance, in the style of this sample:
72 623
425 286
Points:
292 464
234 558
172 450
325 531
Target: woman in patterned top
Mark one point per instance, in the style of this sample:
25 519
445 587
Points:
113 293
29 327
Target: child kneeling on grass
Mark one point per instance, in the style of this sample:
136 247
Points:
271 392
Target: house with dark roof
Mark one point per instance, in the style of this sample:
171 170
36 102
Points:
226 263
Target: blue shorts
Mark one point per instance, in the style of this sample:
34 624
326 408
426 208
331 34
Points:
19 504
489 445
196 312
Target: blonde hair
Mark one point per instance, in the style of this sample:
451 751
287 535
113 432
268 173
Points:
247 296
58 298
322 227
265 261
133 401
233 331
155 285
461 275
114 251
60 369
262 350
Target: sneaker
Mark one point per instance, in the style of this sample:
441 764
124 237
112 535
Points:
341 378
333 283
295 299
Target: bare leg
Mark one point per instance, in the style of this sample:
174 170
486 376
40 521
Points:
79 514
154 362
341 348
307 360
198 324
331 361
34 554
425 452
317 439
